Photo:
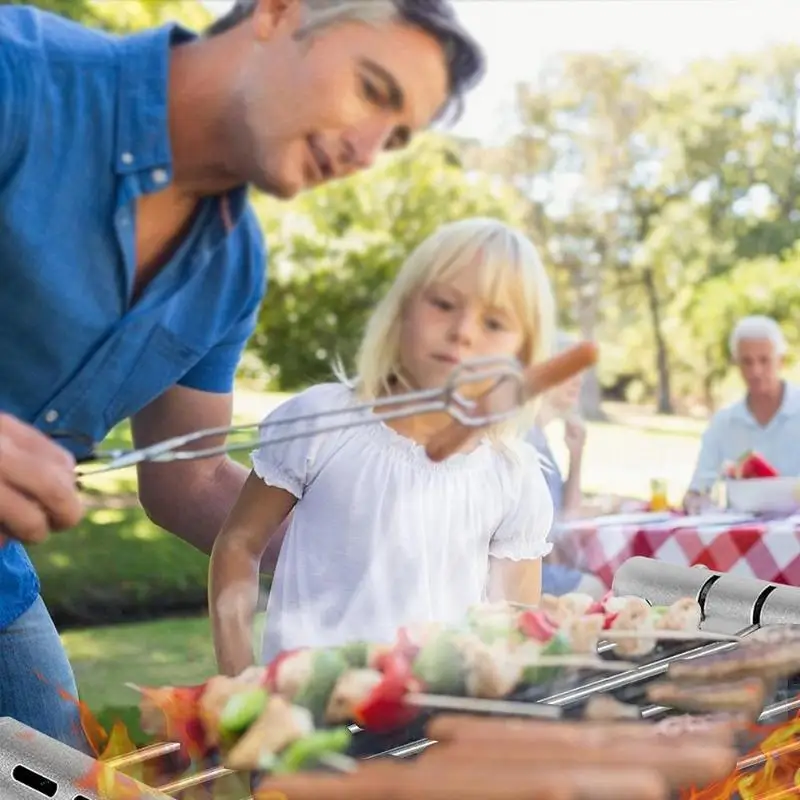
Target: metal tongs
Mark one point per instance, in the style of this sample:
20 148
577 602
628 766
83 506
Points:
486 375
447 399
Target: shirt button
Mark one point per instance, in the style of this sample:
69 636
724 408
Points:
51 415
127 158
160 176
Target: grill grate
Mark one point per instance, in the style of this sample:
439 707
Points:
34 767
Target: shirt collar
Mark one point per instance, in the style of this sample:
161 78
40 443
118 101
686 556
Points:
789 406
142 109
143 113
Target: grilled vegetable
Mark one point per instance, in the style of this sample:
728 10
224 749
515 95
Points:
441 666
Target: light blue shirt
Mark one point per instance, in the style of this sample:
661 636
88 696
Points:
733 431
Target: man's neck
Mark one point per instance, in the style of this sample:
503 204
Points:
196 112
765 405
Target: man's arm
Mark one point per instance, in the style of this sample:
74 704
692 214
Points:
706 471
192 499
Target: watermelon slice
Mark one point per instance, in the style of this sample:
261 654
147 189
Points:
754 465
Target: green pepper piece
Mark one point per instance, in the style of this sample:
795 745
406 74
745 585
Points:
440 666
355 654
308 750
534 674
328 666
241 711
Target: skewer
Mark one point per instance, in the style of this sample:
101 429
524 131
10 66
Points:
200 778
143 754
671 636
477 705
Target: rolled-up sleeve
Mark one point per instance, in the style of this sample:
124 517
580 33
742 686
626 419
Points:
709 460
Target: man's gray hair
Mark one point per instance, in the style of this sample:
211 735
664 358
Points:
464 57
757 327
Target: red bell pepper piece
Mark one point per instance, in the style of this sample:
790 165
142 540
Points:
609 620
384 708
271 675
538 625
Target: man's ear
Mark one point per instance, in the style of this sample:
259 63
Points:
271 14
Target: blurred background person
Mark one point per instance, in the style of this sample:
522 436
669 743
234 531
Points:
563 403
766 420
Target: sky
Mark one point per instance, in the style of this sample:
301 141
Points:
520 35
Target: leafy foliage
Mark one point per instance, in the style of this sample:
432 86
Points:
335 251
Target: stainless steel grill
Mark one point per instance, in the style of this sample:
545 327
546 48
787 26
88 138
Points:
33 767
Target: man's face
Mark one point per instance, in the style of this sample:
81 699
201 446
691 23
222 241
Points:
323 107
760 365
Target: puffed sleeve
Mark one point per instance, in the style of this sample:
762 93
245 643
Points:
528 519
291 464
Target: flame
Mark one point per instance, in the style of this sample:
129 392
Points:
778 778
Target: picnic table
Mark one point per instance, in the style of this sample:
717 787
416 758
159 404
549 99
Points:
763 548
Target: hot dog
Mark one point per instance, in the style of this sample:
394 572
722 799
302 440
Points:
477 781
536 380
679 764
463 728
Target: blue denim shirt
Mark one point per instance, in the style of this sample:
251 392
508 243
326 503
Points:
83 133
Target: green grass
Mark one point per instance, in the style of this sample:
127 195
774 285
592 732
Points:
174 651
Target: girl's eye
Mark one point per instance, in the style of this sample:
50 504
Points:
441 303
494 324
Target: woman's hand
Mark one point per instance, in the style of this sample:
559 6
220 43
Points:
574 435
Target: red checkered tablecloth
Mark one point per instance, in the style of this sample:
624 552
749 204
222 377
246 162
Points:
769 551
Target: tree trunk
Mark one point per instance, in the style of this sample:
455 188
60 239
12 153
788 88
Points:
664 400
587 302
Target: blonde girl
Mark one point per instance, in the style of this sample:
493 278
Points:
380 536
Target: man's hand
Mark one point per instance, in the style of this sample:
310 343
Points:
697 503
38 491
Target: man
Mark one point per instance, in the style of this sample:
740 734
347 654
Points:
766 420
131 265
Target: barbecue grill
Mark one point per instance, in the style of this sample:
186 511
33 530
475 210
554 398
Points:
33 767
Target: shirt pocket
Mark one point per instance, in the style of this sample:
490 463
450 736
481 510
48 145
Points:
157 366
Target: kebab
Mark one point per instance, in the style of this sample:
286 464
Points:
502 648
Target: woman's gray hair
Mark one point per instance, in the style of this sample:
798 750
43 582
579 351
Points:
465 60
757 327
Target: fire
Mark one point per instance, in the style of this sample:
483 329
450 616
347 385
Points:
778 778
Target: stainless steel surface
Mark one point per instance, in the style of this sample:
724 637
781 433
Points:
781 606
642 673
54 761
445 400
660 583
733 602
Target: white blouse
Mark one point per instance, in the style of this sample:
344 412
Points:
381 535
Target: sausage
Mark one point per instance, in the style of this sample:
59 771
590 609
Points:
462 728
764 660
536 380
476 781
746 696
678 764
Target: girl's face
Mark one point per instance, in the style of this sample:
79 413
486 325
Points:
448 322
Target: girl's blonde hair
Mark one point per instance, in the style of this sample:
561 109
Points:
510 272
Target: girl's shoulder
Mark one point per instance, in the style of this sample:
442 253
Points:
316 399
